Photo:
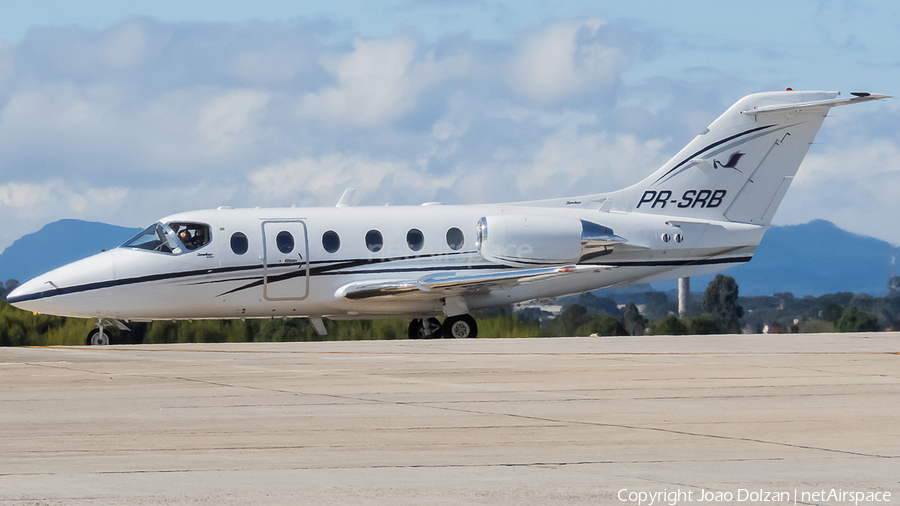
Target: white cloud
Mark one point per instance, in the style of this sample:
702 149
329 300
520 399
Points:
226 119
861 161
7 63
56 195
855 187
564 59
28 206
97 132
297 180
124 47
571 163
277 64
380 80
58 108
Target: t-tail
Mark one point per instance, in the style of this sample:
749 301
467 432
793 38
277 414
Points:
740 168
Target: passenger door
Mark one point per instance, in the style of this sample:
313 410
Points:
285 260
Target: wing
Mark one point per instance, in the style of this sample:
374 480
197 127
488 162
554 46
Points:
458 283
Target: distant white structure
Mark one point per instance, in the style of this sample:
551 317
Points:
553 310
684 296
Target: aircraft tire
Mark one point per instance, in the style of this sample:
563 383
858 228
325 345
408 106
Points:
417 329
93 339
460 327
413 331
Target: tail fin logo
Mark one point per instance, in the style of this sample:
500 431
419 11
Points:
731 163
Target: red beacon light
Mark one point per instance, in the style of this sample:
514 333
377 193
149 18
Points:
789 89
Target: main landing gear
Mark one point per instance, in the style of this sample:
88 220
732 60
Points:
454 327
459 327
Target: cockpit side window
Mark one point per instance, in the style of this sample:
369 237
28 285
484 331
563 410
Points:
192 235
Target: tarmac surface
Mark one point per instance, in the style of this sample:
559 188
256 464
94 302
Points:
484 421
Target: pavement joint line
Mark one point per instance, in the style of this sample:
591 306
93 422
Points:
489 354
672 431
427 466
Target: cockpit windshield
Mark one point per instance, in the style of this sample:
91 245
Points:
156 237
173 238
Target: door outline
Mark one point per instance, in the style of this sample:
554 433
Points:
305 263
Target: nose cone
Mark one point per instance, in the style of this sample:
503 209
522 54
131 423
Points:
24 292
68 290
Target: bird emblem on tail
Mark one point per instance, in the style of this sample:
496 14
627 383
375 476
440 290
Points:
731 163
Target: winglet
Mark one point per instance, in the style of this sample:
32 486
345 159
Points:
346 198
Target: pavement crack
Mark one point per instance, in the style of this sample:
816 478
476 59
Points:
673 431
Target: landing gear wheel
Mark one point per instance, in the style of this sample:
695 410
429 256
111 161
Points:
97 338
413 331
459 327
417 329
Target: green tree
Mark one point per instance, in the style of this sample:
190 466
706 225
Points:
508 326
668 326
701 325
854 320
598 305
720 300
603 325
816 326
832 312
570 319
656 304
633 321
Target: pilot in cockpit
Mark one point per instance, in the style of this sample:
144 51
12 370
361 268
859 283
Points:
185 236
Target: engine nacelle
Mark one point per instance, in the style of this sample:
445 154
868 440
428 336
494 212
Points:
529 240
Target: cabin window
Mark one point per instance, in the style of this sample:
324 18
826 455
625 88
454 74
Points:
331 241
415 239
284 241
239 243
455 239
374 241
191 235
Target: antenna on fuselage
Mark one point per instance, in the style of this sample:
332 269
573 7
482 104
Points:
346 198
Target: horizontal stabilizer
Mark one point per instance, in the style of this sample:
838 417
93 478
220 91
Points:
834 102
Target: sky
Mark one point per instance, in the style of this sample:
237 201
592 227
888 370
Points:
125 112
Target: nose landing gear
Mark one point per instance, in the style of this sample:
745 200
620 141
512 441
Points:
98 337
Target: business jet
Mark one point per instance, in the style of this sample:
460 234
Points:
704 210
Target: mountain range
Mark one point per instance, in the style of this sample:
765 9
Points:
810 259
57 244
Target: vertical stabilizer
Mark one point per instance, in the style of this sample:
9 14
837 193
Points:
741 167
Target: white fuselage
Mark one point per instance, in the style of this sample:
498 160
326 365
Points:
215 282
